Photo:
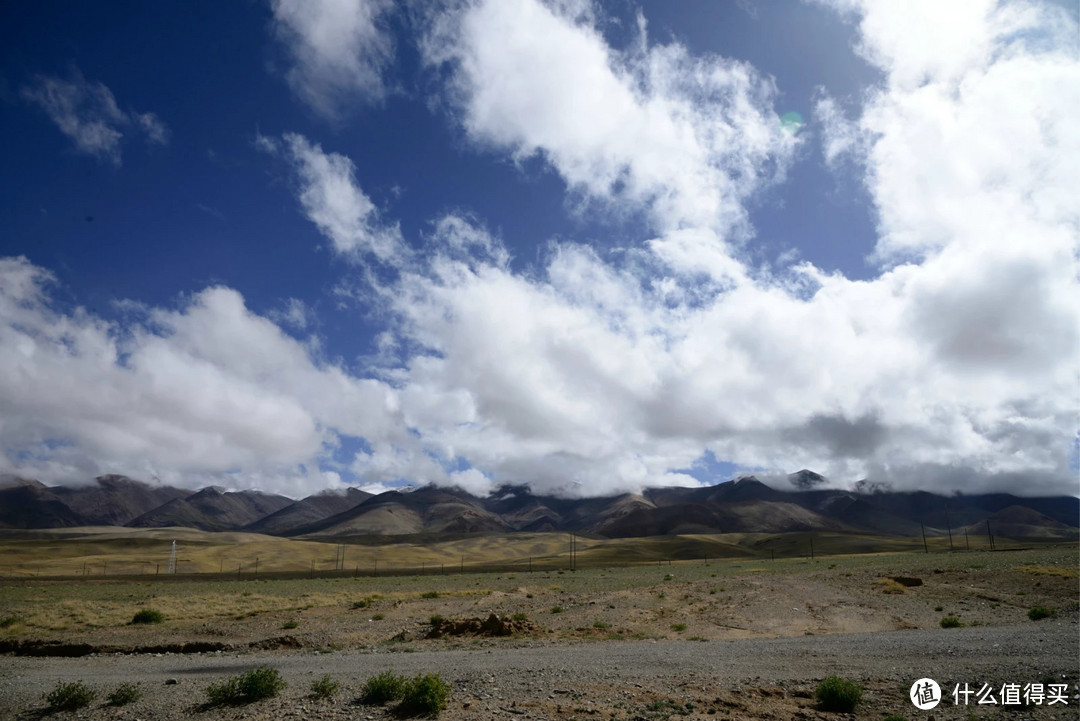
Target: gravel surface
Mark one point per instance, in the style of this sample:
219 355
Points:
739 678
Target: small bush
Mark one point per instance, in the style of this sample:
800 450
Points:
148 615
939 609
601 625
1038 613
679 627
894 717
951 622
9 621
424 696
436 619
124 694
378 617
324 687
290 625
254 685
384 687
519 617
838 694
556 609
429 594
70 696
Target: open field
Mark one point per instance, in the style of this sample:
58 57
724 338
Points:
692 608
112 551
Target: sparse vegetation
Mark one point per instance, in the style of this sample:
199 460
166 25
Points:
124 694
324 687
255 685
519 617
678 627
429 594
378 617
838 694
951 622
939 609
289 625
424 695
894 717
556 609
383 688
148 615
70 696
9 621
435 619
601 625
1037 613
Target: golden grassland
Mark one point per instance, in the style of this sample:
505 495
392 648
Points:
31 604
110 552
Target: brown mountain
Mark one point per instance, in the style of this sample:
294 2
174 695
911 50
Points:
29 504
115 500
1020 522
426 510
212 509
308 511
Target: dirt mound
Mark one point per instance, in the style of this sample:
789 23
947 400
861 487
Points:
908 581
276 644
491 626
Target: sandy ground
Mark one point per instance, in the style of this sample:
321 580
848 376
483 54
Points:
745 640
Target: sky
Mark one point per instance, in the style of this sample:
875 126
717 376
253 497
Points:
589 247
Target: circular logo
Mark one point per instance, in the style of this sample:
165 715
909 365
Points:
925 694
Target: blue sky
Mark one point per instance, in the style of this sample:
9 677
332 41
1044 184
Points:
586 247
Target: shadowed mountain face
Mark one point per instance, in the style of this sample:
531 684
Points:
743 505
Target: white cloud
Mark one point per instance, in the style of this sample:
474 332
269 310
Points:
336 204
209 392
651 127
339 50
87 113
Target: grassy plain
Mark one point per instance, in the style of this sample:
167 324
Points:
743 594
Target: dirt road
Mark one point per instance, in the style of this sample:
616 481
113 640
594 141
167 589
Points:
740 678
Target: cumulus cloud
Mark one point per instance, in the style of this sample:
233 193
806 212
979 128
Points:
87 113
954 368
339 50
206 393
335 203
686 138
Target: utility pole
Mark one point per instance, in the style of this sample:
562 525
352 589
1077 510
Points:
948 525
988 533
925 547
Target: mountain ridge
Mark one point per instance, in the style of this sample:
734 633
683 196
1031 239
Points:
741 505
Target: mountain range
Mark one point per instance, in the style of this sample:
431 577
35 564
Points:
742 505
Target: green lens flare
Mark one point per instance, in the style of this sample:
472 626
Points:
791 121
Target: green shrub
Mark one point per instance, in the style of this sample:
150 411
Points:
384 687
424 696
429 594
838 694
254 685
601 624
124 694
939 609
70 696
435 619
362 603
288 625
148 615
1040 612
951 622
378 617
324 687
556 609
679 627
9 621
894 717
519 617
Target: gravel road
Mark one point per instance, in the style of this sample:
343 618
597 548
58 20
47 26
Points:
499 680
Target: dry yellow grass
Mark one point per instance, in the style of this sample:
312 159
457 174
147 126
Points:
1063 571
